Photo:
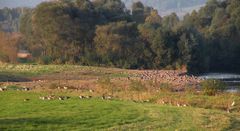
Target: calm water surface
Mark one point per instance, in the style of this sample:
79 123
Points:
232 80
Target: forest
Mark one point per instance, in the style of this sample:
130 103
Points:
106 33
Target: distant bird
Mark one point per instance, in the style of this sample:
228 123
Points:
103 97
178 105
107 97
88 97
81 97
26 99
51 97
162 102
43 98
146 101
228 110
61 98
26 89
233 103
2 89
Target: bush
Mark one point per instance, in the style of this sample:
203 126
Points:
212 87
45 60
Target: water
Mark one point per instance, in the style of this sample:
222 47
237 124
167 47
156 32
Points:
232 80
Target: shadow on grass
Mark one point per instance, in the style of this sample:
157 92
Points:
30 121
12 78
41 124
27 123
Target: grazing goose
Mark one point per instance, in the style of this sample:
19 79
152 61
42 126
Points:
26 99
51 97
2 89
88 97
61 98
109 97
26 89
103 97
82 97
43 98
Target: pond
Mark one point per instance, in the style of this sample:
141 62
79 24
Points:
231 80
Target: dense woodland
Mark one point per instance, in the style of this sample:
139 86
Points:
105 33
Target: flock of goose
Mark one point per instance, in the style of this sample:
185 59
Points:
178 78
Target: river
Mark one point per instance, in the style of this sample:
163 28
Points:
231 80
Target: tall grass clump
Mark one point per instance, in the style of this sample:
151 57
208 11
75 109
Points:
212 87
106 85
137 86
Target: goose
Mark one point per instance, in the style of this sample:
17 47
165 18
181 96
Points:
51 97
88 97
2 89
82 97
109 97
26 99
61 98
103 97
43 98
233 103
178 105
26 89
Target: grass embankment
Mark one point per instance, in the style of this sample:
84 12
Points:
22 72
97 114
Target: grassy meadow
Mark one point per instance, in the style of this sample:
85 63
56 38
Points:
132 108
97 114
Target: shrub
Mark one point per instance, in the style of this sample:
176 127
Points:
45 60
212 87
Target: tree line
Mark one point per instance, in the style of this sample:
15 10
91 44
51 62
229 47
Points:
105 33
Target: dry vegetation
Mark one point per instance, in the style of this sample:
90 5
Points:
9 46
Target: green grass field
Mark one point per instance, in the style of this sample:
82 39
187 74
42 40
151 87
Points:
97 114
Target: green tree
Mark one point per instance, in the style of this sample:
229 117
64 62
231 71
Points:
116 44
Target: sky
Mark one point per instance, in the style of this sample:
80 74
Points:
33 3
19 3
